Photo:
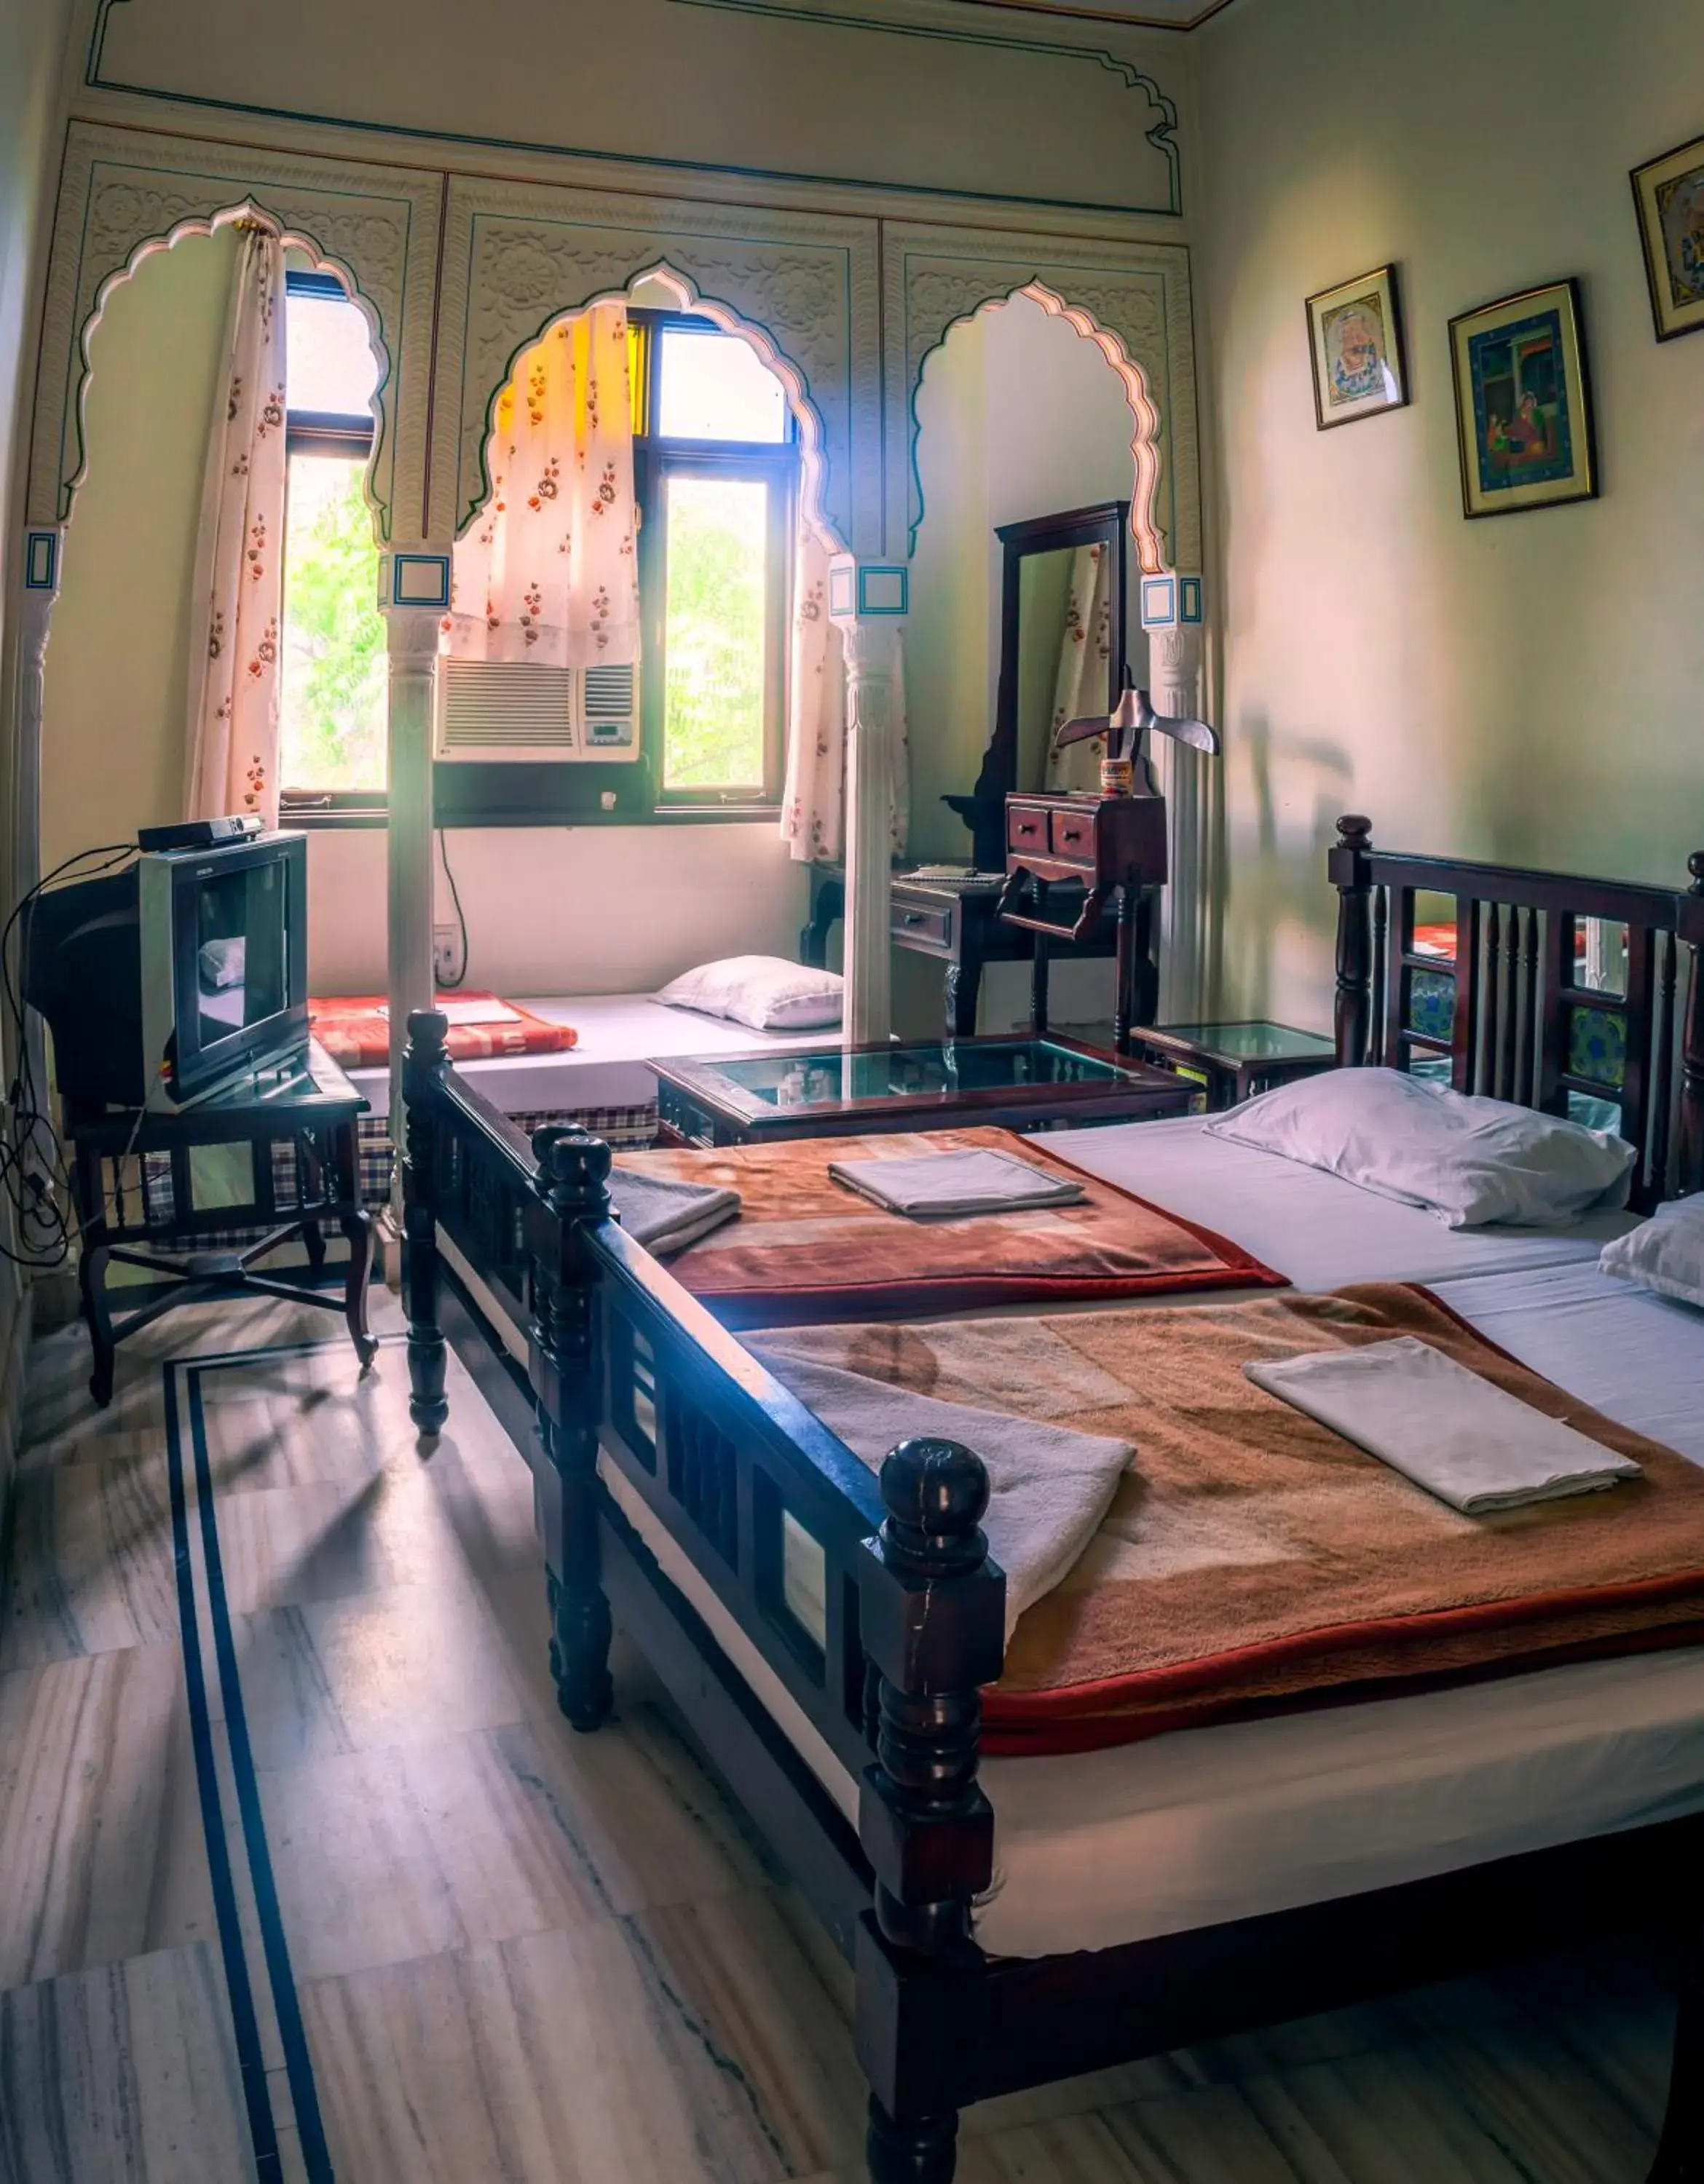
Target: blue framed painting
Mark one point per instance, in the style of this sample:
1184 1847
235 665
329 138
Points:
1524 402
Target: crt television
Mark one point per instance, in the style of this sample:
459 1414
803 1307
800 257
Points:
172 979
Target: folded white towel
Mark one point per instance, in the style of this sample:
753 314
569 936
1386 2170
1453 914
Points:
935 1186
665 1215
1467 1442
1048 1488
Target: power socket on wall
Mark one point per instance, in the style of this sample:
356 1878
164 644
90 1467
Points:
443 947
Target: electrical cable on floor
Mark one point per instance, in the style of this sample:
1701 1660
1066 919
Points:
461 919
32 1168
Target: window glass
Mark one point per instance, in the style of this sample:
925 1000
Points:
715 386
715 629
332 697
333 671
328 351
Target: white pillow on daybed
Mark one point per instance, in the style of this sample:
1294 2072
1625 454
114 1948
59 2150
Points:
764 991
1467 1160
1665 1253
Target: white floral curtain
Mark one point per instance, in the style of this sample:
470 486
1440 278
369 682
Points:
1085 665
813 799
547 572
232 760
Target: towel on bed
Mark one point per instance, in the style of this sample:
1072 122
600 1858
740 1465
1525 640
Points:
941 1186
805 1249
666 1216
1048 1487
1252 1560
1446 1429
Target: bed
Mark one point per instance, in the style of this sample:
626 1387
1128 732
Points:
1011 1921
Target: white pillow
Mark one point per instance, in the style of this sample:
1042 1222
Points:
1665 1253
1468 1160
763 991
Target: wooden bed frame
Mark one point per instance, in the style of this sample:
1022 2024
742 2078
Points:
618 1355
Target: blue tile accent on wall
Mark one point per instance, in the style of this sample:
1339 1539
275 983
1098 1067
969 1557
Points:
1189 598
41 560
419 580
1159 602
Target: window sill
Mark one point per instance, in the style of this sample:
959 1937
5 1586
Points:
314 818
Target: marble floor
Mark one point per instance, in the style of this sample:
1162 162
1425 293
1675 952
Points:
325 1886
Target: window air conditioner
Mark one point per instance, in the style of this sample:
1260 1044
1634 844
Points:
495 710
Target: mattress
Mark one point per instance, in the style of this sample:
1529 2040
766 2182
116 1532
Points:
1236 1820
618 1034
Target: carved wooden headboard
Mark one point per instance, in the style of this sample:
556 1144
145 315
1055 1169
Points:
1543 989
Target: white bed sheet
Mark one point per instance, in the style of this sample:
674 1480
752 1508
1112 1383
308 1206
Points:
618 1034
1232 1821
1318 1229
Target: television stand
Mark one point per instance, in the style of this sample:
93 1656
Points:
274 1157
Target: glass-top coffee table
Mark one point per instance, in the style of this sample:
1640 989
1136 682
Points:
1235 1061
832 1091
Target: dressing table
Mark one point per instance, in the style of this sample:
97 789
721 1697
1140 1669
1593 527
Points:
960 926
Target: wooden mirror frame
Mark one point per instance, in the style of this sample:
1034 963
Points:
1106 524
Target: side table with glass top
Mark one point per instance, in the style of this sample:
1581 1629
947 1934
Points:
1233 1061
1017 1084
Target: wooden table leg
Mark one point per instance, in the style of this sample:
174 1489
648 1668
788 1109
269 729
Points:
357 1228
356 1223
91 1270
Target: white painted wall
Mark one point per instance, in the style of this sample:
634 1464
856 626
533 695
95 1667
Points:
1018 416
114 705
1529 689
561 910
32 42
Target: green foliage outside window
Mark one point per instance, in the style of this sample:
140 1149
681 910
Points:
713 711
332 704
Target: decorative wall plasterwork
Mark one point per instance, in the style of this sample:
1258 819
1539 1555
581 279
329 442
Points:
517 255
920 19
123 190
1063 87
1138 292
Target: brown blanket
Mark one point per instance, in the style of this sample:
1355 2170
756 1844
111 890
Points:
805 1248
1252 1559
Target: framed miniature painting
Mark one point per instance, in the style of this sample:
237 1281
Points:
1524 402
1669 193
1356 332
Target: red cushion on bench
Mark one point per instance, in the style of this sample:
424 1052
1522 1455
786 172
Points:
352 1032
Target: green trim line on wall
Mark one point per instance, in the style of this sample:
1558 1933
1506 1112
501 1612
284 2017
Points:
96 79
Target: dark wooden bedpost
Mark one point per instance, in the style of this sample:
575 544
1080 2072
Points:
423 1064
1348 866
1691 935
932 1611
571 1194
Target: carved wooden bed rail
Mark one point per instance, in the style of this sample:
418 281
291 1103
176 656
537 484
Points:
1508 1000
859 1621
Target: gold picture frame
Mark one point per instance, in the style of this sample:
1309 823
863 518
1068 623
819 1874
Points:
1668 197
1355 335
1524 408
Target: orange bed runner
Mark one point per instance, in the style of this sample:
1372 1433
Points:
805 1248
352 1032
1252 1560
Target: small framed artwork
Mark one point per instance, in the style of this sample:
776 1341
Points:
1355 332
1669 193
1524 402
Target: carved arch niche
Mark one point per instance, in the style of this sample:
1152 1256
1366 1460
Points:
518 256
124 192
1132 298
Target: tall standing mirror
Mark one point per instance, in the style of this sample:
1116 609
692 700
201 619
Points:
1062 652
